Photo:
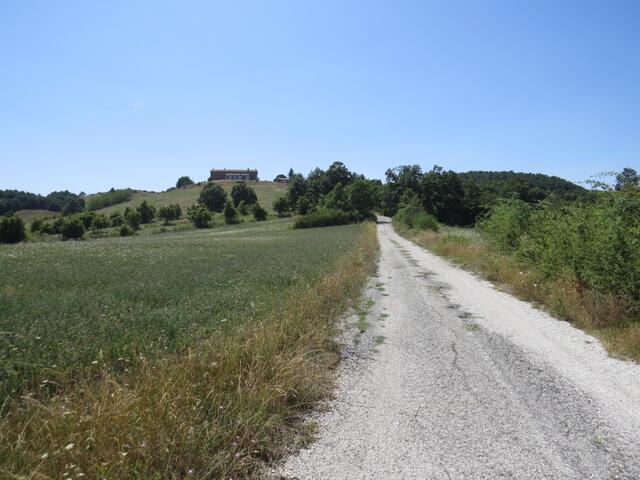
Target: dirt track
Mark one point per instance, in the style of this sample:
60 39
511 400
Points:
470 382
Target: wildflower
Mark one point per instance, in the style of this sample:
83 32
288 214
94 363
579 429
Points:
70 446
143 445
44 456
190 472
95 362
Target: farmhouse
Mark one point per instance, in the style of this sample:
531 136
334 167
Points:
233 175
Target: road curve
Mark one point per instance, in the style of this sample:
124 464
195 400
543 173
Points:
454 379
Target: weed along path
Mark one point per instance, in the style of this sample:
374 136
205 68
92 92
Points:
445 377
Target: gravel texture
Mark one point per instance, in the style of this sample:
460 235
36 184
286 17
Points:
452 379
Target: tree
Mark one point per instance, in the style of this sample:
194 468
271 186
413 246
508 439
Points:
100 222
125 230
170 212
184 182
281 206
297 189
71 206
213 197
628 179
116 219
11 229
200 216
259 213
36 225
230 213
361 196
133 218
242 208
303 206
242 192
336 199
72 227
147 212
290 173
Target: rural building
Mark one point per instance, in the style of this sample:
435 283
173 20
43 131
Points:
281 179
233 175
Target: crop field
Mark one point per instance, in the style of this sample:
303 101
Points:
71 309
266 192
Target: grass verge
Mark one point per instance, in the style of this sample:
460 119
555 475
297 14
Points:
606 316
218 410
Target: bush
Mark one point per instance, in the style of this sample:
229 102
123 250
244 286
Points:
106 199
170 212
242 208
100 222
242 192
133 218
506 222
324 217
36 225
184 182
281 206
116 219
11 229
125 230
412 215
230 213
147 212
213 197
72 227
259 213
199 216
87 219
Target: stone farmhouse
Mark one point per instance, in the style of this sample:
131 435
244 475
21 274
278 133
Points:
233 175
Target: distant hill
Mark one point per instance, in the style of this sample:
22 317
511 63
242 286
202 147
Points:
185 197
530 187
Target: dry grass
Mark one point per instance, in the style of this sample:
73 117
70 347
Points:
611 318
218 411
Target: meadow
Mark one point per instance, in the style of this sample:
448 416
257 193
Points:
202 345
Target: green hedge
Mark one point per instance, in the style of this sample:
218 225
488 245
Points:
325 217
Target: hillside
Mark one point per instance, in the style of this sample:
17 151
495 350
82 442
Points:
185 197
530 187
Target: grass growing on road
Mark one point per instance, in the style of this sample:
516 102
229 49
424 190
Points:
208 344
600 314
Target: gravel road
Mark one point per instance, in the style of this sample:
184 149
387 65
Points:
454 379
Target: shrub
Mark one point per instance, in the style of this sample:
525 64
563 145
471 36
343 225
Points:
147 212
36 225
213 197
72 227
47 228
230 213
412 215
242 208
184 182
11 229
324 217
116 219
133 218
106 199
259 213
100 222
170 212
281 206
506 222
87 219
199 216
125 230
242 192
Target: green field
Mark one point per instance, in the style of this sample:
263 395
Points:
69 309
267 192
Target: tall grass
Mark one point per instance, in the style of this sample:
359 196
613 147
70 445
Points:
220 409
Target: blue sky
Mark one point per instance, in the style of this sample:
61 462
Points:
137 93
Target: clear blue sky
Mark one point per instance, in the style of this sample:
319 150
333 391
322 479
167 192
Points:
136 93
